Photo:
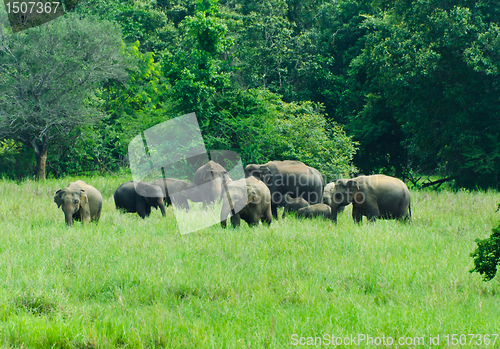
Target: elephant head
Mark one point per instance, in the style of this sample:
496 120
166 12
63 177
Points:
262 172
73 200
213 178
153 195
237 196
342 194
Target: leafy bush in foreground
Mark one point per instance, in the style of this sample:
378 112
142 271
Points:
487 255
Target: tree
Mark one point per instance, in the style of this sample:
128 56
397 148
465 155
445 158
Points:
432 67
47 76
200 67
260 127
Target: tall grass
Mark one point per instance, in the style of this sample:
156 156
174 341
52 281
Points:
129 282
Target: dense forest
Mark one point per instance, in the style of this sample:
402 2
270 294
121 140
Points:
406 88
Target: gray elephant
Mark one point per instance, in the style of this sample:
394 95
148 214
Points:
327 195
248 199
178 191
288 177
293 204
80 201
376 196
139 197
211 179
318 210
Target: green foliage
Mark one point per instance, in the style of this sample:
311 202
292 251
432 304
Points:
200 66
433 67
414 83
16 161
261 127
130 108
47 76
487 255
8 147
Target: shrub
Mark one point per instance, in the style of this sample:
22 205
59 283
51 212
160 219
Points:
487 255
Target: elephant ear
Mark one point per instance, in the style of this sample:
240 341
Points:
251 196
353 184
58 198
266 175
83 198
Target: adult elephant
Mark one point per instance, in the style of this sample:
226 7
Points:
210 180
79 201
139 197
288 177
248 199
376 196
178 191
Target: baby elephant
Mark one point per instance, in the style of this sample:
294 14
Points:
318 210
293 204
79 201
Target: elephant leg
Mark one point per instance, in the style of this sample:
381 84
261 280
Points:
253 219
404 214
268 216
168 201
372 212
85 213
356 215
274 210
143 210
266 221
98 215
235 220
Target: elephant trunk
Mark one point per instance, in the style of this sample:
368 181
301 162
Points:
68 216
335 208
161 204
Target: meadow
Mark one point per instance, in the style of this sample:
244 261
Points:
134 283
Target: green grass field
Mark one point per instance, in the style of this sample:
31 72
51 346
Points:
135 283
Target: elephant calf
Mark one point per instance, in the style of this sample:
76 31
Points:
80 201
248 199
317 210
293 204
139 197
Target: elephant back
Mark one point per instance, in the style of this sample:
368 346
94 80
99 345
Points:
208 172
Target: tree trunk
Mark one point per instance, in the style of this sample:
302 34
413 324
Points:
41 159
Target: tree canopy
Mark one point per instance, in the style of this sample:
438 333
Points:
46 78
397 86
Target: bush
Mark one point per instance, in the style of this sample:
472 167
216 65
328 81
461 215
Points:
487 255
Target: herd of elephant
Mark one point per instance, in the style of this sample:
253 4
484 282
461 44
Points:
289 184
